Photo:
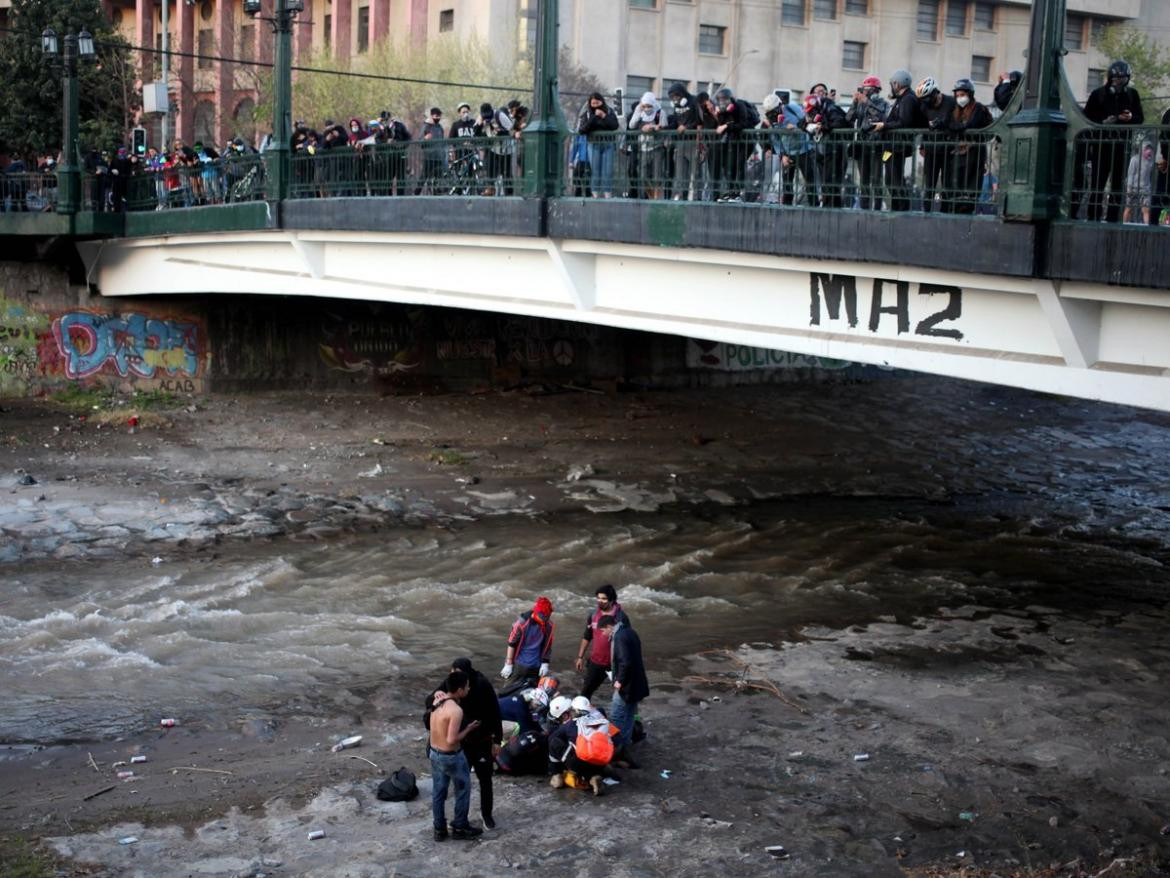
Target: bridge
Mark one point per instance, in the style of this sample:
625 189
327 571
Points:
1014 284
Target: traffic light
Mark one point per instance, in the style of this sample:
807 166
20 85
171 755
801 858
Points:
138 141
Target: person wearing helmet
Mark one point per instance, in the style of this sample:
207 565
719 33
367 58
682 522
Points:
936 108
904 114
822 117
522 712
1114 103
564 768
868 110
687 120
529 647
968 157
483 744
593 652
558 707
729 154
1005 90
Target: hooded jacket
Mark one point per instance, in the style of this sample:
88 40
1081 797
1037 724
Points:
589 123
686 112
653 116
626 664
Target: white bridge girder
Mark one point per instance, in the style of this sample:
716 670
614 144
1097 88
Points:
1084 340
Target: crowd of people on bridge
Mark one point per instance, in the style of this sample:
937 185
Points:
534 725
917 146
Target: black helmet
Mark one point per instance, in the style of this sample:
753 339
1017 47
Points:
965 85
1121 70
1015 76
676 88
724 96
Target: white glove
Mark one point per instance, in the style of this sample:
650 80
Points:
813 129
506 671
543 670
609 676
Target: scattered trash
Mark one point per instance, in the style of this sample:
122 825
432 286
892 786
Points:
664 774
156 560
777 851
346 743
129 839
969 816
118 764
168 723
26 479
316 834
579 471
467 480
610 781
716 698
1054 821
137 759
861 757
125 775
378 441
372 473
100 792
718 824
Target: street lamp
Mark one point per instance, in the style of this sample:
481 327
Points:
77 47
278 154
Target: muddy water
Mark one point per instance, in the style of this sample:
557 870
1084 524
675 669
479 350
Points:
111 650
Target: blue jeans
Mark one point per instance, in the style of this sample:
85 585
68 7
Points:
622 714
601 168
445 769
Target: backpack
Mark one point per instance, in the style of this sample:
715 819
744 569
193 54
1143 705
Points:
752 114
526 753
594 745
398 787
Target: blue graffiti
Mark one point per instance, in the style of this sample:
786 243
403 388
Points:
133 344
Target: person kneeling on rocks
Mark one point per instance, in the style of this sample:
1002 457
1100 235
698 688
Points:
579 748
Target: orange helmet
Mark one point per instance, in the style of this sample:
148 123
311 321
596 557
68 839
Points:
549 685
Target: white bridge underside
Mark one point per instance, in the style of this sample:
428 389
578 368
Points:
1084 340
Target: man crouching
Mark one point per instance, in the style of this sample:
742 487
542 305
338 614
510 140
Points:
448 762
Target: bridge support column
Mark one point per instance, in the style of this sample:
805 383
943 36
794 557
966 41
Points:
544 147
1033 173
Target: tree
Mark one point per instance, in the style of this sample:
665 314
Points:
30 114
1149 60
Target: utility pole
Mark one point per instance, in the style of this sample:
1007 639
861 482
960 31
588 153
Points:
1032 163
544 138
277 158
78 47
164 125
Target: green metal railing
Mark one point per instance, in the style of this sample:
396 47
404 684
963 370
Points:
1119 173
461 166
28 192
223 181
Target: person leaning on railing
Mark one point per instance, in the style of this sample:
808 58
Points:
1107 152
968 158
687 123
903 117
649 119
868 109
937 109
825 123
597 122
730 152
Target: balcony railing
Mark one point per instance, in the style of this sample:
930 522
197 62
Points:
223 181
28 192
1119 174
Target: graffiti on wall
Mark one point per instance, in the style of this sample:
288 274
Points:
726 357
372 344
21 332
132 345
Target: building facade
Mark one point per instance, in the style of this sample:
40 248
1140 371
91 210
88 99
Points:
753 46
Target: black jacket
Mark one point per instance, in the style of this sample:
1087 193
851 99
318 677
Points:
1105 105
627 664
1004 92
734 117
905 112
969 118
938 118
590 123
686 113
482 704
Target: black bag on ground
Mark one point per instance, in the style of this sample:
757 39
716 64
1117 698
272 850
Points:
398 787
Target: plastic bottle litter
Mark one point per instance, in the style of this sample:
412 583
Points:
346 743
665 774
168 723
777 851
861 757
316 834
129 839
610 781
125 775
134 760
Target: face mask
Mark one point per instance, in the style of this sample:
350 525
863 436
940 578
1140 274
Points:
962 100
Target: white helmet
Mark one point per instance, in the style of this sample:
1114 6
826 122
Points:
536 698
558 706
581 704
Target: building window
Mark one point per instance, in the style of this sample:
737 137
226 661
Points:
711 39
826 9
857 7
446 21
206 48
644 4
981 68
636 86
1096 79
527 26
1097 30
1074 32
206 10
853 56
363 34
248 40
792 12
956 18
984 15
328 41
928 19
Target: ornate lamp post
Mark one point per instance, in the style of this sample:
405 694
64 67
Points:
77 47
277 158
544 150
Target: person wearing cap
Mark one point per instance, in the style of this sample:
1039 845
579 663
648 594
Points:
529 647
483 744
630 686
593 652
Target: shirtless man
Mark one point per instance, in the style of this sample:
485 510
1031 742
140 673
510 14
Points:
447 760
